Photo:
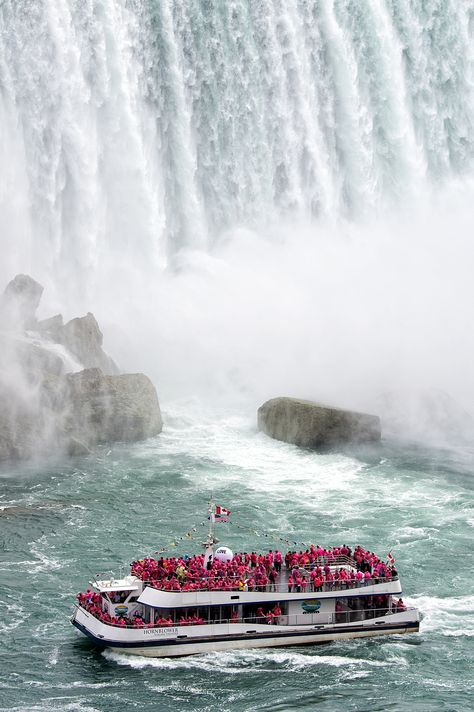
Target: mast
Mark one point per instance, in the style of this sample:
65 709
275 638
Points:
211 538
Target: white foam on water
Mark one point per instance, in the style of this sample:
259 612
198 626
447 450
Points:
398 661
453 616
409 536
178 687
236 662
13 613
44 562
55 704
48 630
355 674
301 660
232 441
54 656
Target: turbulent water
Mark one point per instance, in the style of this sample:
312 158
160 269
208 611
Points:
69 521
255 197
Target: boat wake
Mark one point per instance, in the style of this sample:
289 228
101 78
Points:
452 616
236 662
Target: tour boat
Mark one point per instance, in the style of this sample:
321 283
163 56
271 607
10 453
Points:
217 601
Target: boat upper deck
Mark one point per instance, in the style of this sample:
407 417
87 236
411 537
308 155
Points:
314 570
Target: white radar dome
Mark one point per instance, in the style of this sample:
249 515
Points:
223 553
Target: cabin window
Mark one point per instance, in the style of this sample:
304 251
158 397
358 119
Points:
356 608
214 615
165 616
226 613
252 614
119 596
192 616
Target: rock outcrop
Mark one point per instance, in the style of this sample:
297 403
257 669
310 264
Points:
46 403
83 338
20 424
309 424
51 328
19 302
27 359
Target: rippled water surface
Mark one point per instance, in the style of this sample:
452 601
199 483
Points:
61 523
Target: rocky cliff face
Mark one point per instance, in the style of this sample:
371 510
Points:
48 401
310 424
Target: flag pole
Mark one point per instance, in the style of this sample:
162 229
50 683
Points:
212 520
211 538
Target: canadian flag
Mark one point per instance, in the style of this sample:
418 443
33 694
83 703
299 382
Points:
222 514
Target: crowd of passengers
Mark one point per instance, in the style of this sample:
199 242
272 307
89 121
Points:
92 602
312 570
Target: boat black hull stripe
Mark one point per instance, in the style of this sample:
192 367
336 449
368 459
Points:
243 636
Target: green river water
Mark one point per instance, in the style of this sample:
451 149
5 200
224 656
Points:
61 522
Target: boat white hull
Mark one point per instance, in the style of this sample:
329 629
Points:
205 639
283 641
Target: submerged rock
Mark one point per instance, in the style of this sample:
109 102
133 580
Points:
309 424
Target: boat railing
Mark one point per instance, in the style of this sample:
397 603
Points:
241 587
349 616
352 616
331 560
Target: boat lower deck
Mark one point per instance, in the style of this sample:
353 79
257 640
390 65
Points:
159 642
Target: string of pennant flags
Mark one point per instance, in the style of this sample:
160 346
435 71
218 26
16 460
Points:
275 537
189 535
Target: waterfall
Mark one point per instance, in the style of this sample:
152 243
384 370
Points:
136 128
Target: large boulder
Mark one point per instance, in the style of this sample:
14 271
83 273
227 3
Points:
83 338
19 303
105 409
74 412
309 424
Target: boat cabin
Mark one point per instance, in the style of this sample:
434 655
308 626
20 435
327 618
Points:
119 596
302 611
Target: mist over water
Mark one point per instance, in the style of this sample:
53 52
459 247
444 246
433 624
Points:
255 199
